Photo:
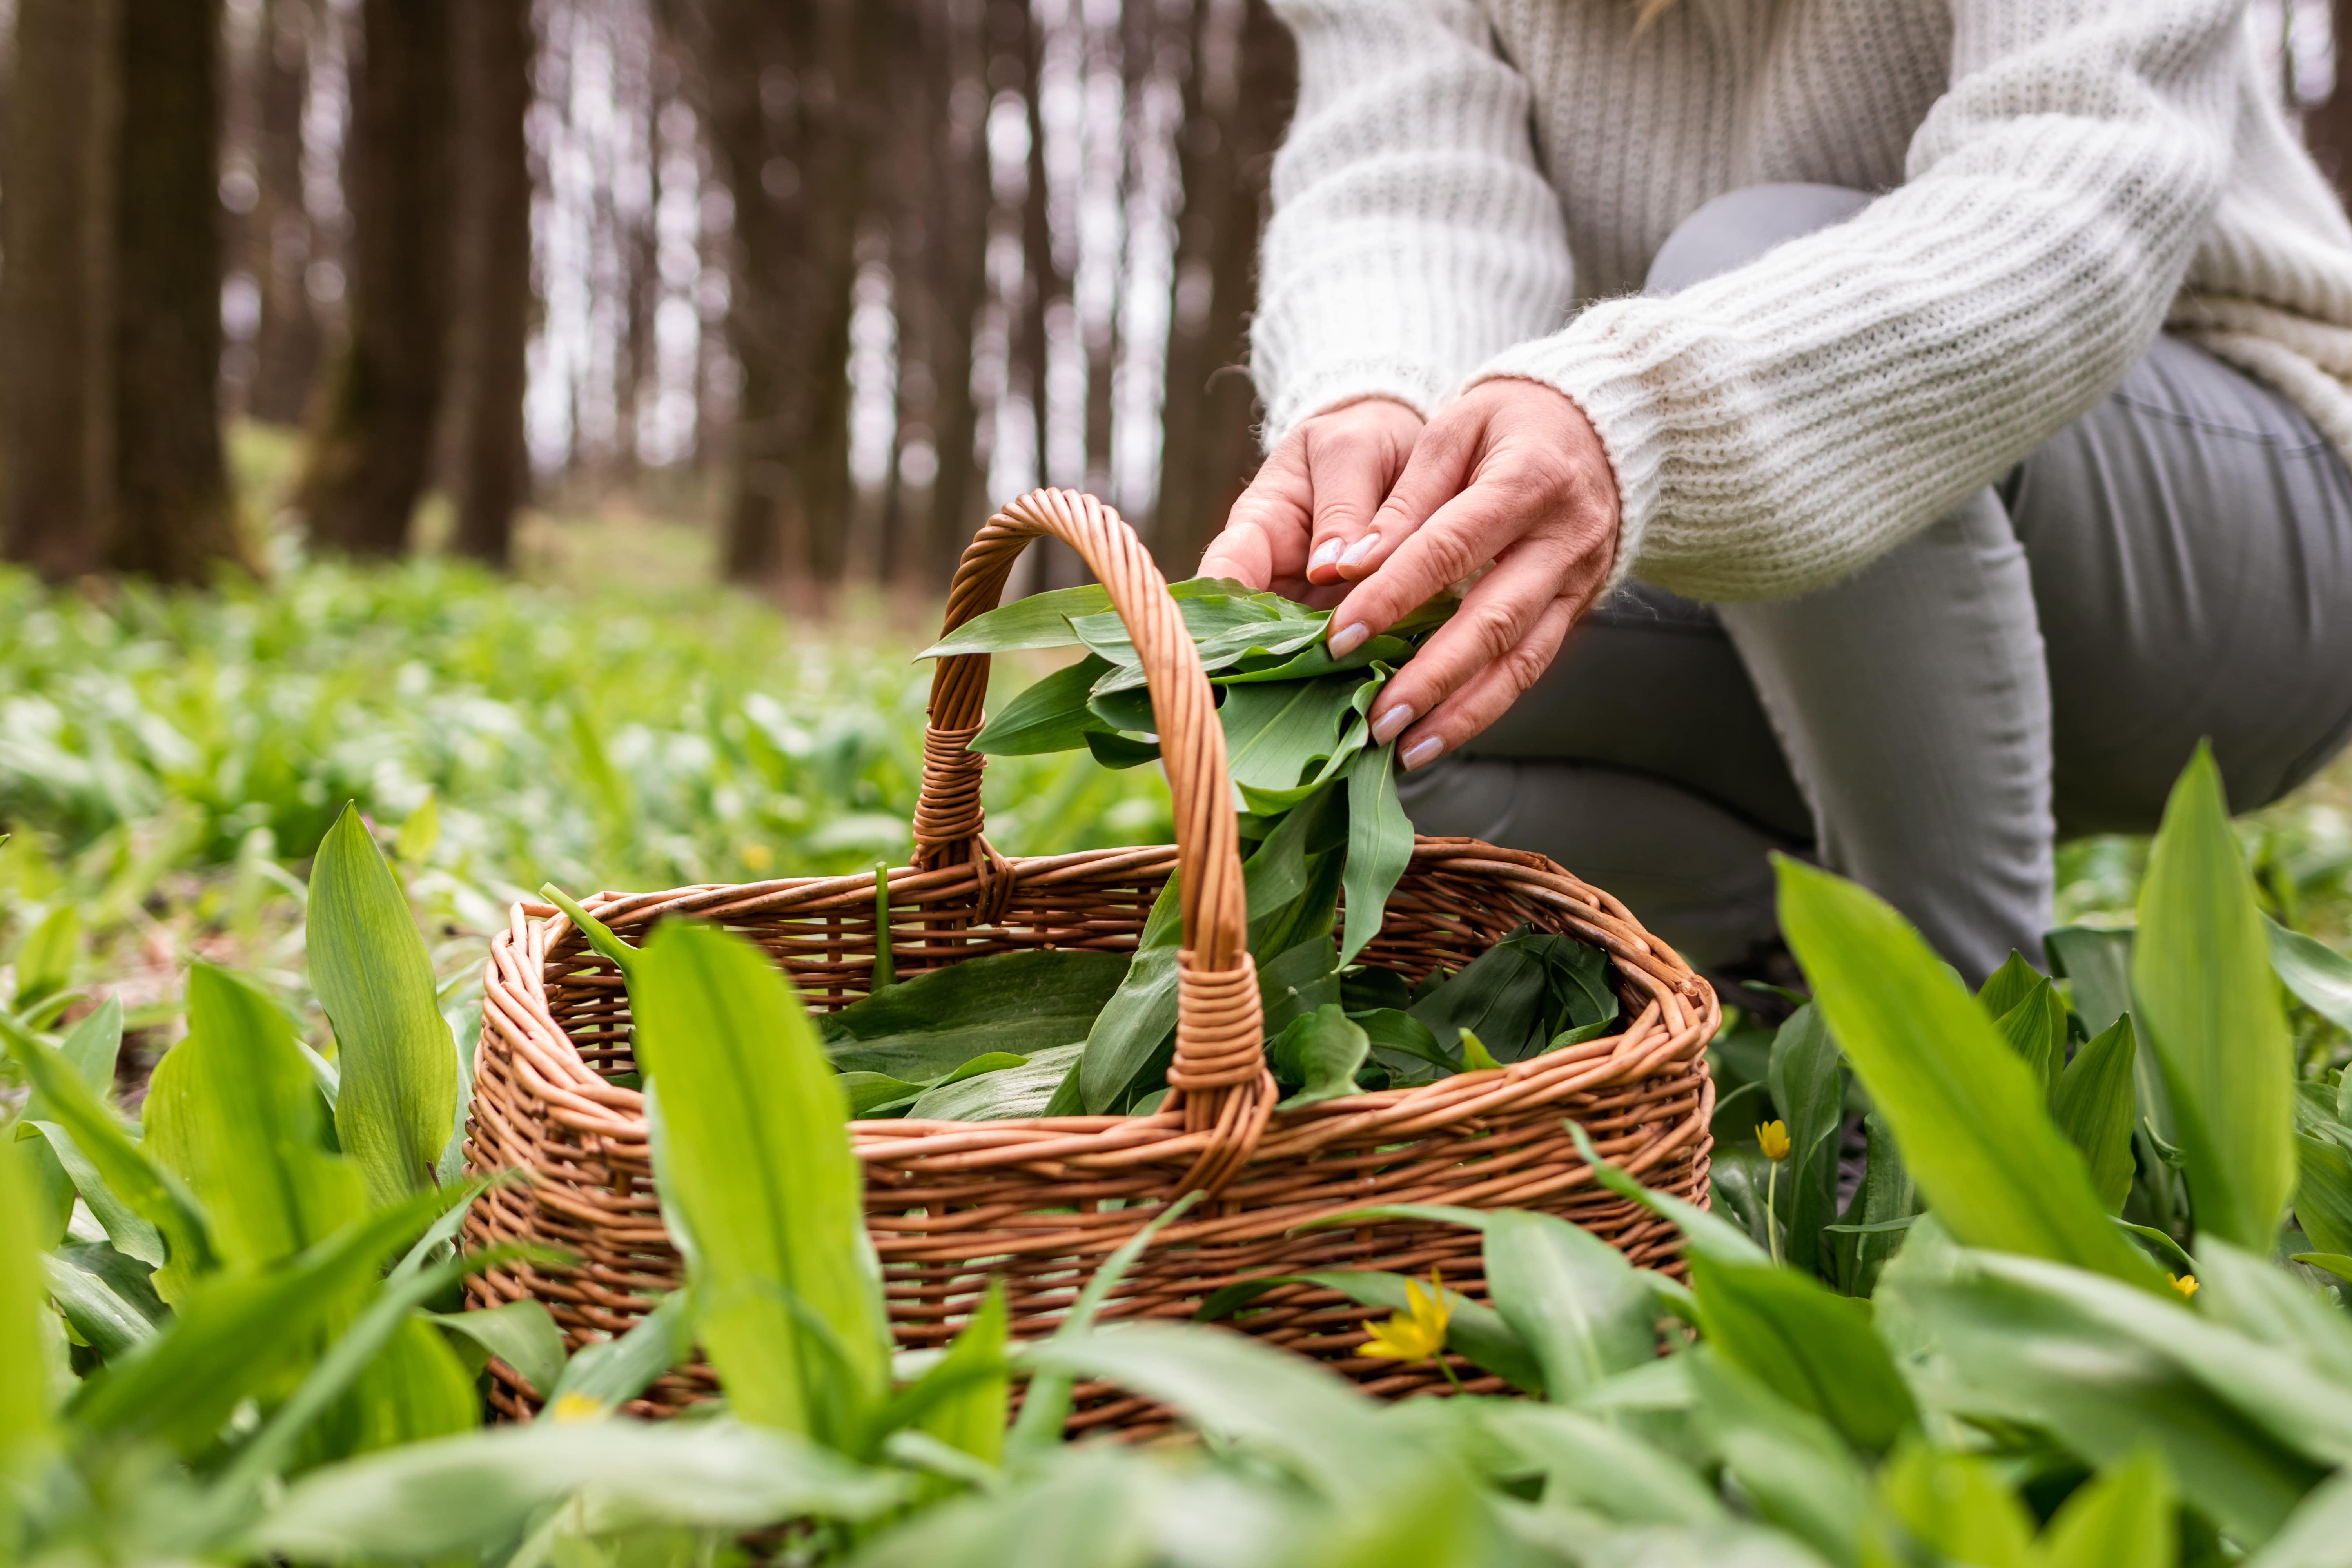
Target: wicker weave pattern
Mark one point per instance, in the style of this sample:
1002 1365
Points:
1040 1203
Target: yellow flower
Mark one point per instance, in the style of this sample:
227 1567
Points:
1774 1136
758 857
576 1406
1417 1333
2185 1283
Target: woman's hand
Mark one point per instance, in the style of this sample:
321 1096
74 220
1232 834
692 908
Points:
1512 473
1318 490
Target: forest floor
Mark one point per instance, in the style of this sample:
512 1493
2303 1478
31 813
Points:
607 718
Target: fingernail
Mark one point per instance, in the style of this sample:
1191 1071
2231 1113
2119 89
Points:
1349 638
1424 751
1325 553
1361 548
1385 727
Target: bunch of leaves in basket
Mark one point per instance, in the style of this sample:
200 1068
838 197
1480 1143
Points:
1066 1033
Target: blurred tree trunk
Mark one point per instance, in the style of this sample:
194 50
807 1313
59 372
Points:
493 172
910 197
959 288
57 425
372 442
289 343
792 96
1046 295
738 42
1233 121
174 515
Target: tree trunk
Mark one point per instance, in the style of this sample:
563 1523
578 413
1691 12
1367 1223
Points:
1232 128
288 344
736 42
369 450
174 515
959 287
494 311
1046 293
57 296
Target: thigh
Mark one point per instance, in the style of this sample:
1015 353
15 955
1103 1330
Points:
2191 545
1650 684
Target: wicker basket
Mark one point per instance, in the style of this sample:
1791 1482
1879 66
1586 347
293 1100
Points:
1040 1203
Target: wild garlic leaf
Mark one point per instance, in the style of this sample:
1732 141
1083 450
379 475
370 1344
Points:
925 1027
1380 845
1320 1053
1000 1093
1051 716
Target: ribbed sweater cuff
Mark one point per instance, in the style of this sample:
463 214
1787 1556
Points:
1600 378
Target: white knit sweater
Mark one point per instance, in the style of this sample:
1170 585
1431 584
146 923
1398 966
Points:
1475 190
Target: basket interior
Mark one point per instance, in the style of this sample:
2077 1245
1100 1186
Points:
1435 920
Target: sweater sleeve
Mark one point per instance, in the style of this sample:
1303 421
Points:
1412 235
1777 427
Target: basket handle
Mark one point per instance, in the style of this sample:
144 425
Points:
1219 1075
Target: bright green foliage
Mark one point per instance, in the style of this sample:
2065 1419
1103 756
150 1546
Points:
234 1110
2201 973
397 1065
2096 1106
90 1048
24 1369
1968 1113
964 1397
1808 1082
1572 1297
1811 1347
2121 1519
1956 1505
752 1160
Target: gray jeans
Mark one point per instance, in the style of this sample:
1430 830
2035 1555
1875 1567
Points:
2175 564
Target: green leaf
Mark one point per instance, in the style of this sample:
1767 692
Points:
1380 845
601 942
124 1226
2097 965
2209 1005
46 958
2036 1030
90 1048
1317 661
234 1109
2122 1519
1968 1115
520 1333
107 1323
2320 976
608 1374
970 1417
1795 1468
878 1094
24 1367
2012 983
2273 1307
1475 1057
1140 1014
2339 1264
2323 1200
923 1028
452 1498
237 1333
1810 1346
1045 1405
1275 732
397 1061
412 1389
1311 1419
1960 1506
143 1186
1519 992
2315 1534
1050 716
1593 1464
1708 1235
1041 620
1298 980
1120 752
1571 1296
1875 1222
753 1153
1320 1052
2097 1108
1403 1043
1807 1077
2106 1369
1475 1329
1005 1093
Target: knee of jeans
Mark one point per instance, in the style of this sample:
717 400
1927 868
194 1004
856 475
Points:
1738 227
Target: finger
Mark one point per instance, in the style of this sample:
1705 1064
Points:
1441 463
1458 537
1489 693
1352 458
1493 620
1264 538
